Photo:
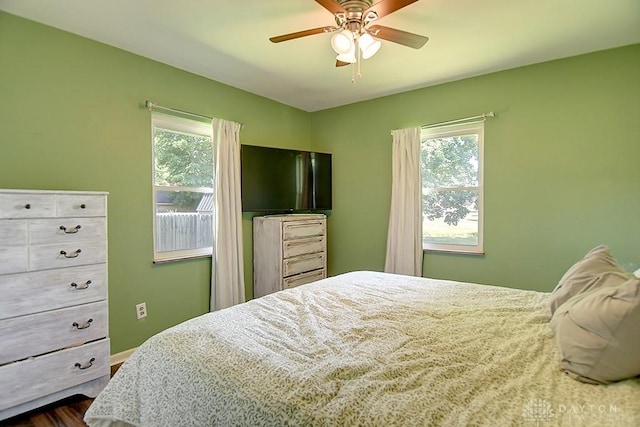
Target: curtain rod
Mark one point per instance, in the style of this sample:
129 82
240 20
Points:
151 105
482 116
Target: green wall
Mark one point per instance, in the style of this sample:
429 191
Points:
561 158
72 117
562 168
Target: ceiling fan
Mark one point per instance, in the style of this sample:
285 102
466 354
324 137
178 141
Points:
355 38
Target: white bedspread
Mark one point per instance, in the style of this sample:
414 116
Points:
363 349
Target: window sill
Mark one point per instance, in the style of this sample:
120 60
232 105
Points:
453 251
179 258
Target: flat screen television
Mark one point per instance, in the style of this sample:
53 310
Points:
284 180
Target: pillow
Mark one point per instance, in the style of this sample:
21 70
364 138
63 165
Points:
598 334
597 269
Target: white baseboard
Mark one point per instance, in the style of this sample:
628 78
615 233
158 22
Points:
122 356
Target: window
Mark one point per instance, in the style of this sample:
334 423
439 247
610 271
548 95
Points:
182 187
451 160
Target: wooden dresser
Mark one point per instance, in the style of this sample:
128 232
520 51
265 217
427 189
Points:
288 251
53 297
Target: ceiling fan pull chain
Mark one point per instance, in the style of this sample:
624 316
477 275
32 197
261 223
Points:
359 55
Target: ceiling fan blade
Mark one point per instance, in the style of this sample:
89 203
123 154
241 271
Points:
285 37
385 7
341 63
331 5
405 38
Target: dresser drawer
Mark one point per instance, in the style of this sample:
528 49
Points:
66 230
13 232
292 248
14 259
301 279
81 205
300 229
33 378
19 205
301 264
43 257
41 333
37 291
14 256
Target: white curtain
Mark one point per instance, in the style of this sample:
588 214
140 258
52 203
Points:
227 276
404 238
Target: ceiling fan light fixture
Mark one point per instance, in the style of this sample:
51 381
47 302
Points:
342 42
368 45
349 57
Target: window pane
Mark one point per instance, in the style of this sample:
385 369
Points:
182 159
183 220
450 161
183 183
450 217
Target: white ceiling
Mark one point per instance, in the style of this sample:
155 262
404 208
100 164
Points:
227 40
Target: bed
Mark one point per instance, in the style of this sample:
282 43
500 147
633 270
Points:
363 349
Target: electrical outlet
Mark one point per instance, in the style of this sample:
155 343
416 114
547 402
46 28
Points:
141 310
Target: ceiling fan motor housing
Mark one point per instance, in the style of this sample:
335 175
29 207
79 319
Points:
355 4
354 19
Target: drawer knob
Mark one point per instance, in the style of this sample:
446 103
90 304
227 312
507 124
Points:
81 287
87 366
27 206
73 255
83 206
73 230
85 326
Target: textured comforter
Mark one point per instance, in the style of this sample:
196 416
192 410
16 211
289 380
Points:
363 349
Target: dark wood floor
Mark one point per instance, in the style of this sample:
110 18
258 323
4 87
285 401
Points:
64 413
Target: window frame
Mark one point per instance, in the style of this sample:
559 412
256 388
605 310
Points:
477 128
181 125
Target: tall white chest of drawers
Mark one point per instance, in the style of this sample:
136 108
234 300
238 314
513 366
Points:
288 251
54 339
